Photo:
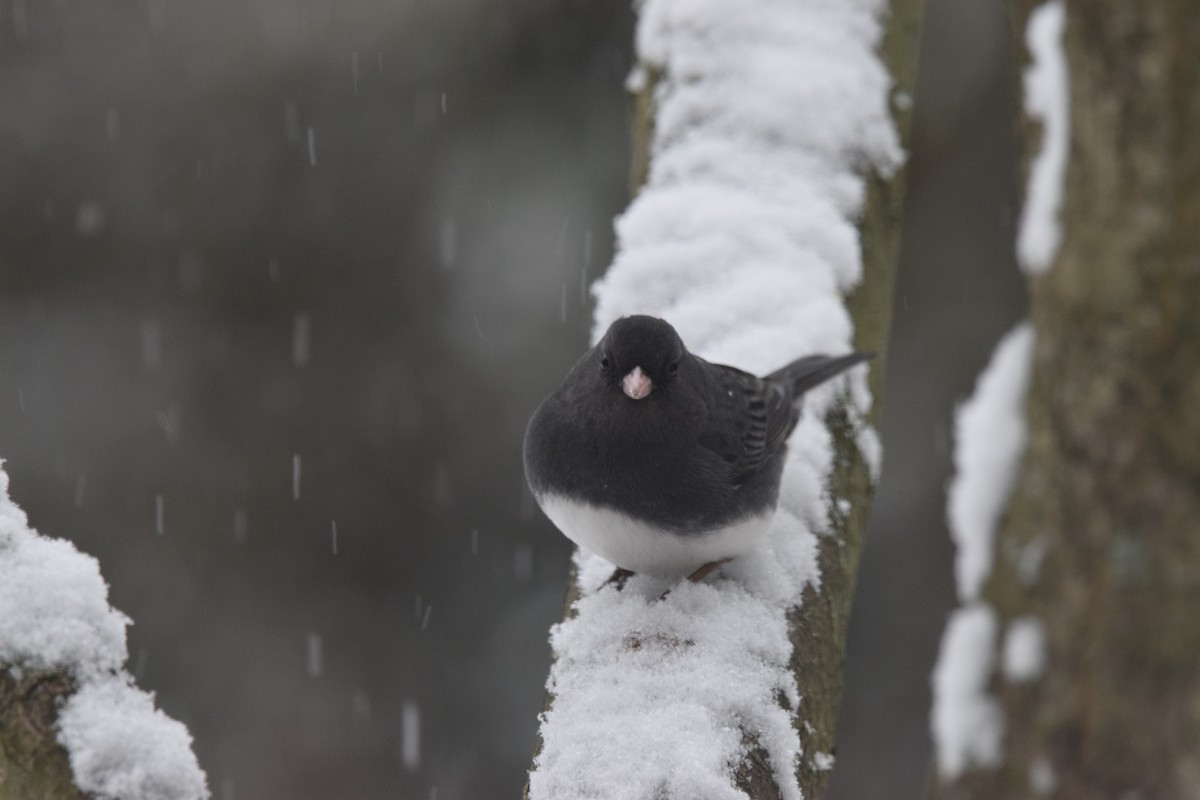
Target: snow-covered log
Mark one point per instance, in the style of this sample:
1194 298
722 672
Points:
765 228
72 724
1073 671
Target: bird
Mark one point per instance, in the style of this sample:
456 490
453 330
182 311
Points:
659 461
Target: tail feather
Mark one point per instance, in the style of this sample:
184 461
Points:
805 373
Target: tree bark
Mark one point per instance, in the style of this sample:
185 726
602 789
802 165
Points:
817 628
33 766
1109 488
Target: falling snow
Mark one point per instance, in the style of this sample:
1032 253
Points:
315 660
410 736
301 330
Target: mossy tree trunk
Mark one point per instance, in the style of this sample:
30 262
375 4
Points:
818 627
1110 484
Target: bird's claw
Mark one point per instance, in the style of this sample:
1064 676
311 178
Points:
618 578
700 574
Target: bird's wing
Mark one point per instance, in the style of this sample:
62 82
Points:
751 420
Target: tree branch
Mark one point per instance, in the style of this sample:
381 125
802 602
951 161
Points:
816 626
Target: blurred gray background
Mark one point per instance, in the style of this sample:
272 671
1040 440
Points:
280 283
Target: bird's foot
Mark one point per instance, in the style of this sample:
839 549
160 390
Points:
706 570
618 578
700 574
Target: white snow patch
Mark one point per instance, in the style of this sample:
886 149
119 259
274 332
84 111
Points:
968 723
1047 99
823 762
744 238
54 615
53 602
1024 650
987 450
651 694
122 748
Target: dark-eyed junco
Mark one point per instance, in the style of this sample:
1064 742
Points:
659 461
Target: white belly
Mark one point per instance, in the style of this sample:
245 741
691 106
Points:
646 549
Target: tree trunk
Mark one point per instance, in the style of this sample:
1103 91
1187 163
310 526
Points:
33 765
817 628
1109 488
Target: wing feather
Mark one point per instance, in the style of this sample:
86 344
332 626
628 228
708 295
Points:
752 419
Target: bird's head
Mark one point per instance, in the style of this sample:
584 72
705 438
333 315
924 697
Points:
640 354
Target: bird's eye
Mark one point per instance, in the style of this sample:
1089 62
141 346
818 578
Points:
604 363
673 368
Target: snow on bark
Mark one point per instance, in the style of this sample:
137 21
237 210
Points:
1024 650
989 442
1047 99
122 747
967 723
55 616
744 237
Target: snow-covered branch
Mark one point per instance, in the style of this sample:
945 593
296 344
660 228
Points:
57 630
768 120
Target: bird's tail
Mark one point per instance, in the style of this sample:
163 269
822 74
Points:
805 373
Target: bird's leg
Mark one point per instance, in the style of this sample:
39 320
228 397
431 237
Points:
706 569
618 578
700 574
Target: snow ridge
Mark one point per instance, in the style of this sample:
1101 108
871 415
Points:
745 239
54 615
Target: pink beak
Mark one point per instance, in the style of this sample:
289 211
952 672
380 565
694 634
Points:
637 384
